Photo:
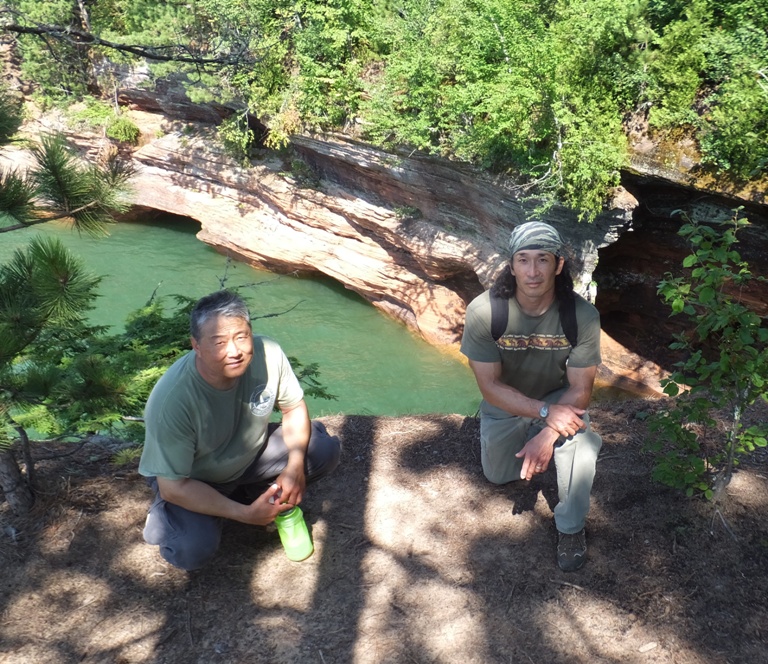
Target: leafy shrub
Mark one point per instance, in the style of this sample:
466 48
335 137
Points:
94 112
735 137
236 137
725 371
123 130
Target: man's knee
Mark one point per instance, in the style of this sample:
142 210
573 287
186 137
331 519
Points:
498 456
189 558
495 477
324 452
501 471
187 540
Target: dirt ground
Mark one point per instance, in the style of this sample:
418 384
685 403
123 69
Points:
418 559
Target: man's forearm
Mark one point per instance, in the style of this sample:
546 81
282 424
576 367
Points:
577 397
197 496
296 432
511 400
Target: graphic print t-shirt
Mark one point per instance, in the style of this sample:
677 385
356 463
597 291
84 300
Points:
533 350
194 430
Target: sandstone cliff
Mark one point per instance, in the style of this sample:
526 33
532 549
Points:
418 237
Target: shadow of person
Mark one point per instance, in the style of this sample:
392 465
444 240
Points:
524 494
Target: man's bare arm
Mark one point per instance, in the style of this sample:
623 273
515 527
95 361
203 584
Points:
564 416
501 395
296 432
197 496
582 382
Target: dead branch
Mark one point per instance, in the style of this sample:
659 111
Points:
168 53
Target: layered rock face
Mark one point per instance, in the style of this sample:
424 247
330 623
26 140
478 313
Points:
417 237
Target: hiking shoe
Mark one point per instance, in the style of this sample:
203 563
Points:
571 550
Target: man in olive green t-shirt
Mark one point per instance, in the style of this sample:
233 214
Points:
210 451
536 383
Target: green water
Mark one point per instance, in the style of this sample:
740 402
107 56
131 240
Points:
372 364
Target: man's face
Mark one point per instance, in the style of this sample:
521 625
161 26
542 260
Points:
535 272
224 350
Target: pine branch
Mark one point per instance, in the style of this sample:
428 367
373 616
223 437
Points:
45 220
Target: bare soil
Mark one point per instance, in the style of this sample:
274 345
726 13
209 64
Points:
418 559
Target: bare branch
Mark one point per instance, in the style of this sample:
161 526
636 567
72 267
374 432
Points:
167 53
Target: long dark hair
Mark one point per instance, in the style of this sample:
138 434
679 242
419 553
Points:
506 285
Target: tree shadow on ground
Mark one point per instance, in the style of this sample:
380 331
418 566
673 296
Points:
418 559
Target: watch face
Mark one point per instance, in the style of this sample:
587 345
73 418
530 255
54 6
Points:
544 411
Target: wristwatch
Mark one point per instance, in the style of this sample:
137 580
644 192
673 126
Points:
544 411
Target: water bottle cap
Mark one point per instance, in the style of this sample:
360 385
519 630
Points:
287 513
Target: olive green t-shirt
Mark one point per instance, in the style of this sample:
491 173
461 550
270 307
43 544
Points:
533 351
194 430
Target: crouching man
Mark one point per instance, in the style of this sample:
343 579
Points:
210 451
534 347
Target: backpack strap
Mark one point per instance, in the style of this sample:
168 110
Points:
499 316
568 320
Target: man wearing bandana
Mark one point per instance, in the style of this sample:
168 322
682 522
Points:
535 382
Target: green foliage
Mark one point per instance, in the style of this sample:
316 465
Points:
309 377
94 112
127 456
10 114
17 192
676 66
735 137
62 377
88 194
237 137
59 69
303 174
524 88
41 287
725 371
44 294
123 130
97 113
708 72
537 90
59 185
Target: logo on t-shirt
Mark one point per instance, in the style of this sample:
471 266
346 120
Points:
262 401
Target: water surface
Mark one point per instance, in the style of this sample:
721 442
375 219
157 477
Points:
372 364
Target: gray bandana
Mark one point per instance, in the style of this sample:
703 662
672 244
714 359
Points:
535 235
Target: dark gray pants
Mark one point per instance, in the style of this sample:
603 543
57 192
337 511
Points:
189 539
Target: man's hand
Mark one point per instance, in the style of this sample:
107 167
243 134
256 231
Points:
536 453
265 508
565 419
292 483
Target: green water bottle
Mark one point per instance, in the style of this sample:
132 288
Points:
294 534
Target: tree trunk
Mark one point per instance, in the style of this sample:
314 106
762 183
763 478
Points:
17 492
